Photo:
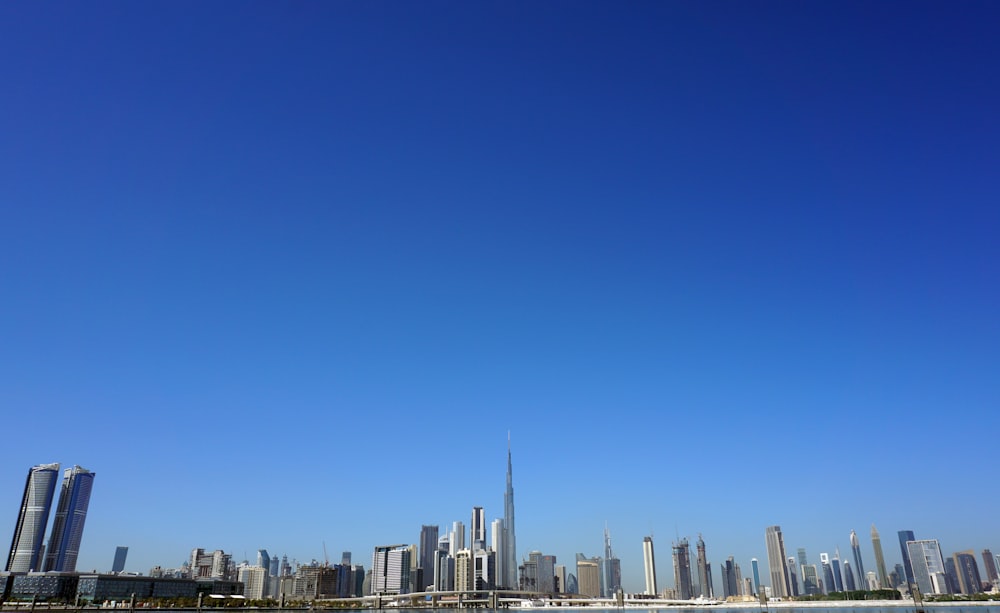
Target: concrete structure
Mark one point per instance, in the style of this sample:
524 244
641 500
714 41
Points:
859 565
428 549
29 532
681 554
254 580
905 536
705 571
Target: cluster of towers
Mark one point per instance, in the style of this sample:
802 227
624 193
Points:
27 552
923 568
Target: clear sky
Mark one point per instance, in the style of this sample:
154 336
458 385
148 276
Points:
286 273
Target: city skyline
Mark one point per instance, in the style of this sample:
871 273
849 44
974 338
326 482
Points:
287 274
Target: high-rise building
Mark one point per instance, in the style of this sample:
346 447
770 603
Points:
589 577
828 582
119 564
776 562
704 571
428 547
682 569
905 536
838 579
990 564
859 565
477 529
29 533
756 574
345 558
649 565
928 566
730 578
545 567
612 566
71 514
793 576
969 580
560 573
508 569
391 569
456 538
883 575
849 583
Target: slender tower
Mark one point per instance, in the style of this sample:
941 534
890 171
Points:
29 533
859 567
883 577
510 544
776 562
649 565
71 514
704 572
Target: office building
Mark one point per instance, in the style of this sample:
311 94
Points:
588 574
254 580
682 569
560 573
391 569
793 576
71 514
969 580
838 579
829 585
29 532
928 567
428 548
498 539
731 579
119 563
508 568
477 529
755 567
649 565
545 567
905 536
883 575
859 566
990 564
849 583
484 570
776 562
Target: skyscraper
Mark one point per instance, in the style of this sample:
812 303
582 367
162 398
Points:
119 564
928 566
612 566
705 572
71 514
509 565
428 546
883 576
682 569
905 536
989 563
776 562
756 574
649 565
29 533
859 566
477 529
969 580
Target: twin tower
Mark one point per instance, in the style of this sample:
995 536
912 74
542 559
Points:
26 550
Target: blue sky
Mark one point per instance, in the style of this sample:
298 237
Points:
285 274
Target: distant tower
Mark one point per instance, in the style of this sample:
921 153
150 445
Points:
456 539
990 564
119 564
756 574
682 569
428 546
837 577
776 562
704 571
477 529
849 584
71 514
29 533
649 564
793 576
509 565
345 558
859 566
612 566
905 536
883 576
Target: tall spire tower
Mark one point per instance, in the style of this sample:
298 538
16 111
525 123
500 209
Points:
510 545
883 578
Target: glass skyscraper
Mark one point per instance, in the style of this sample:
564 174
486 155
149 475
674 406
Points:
29 533
71 514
